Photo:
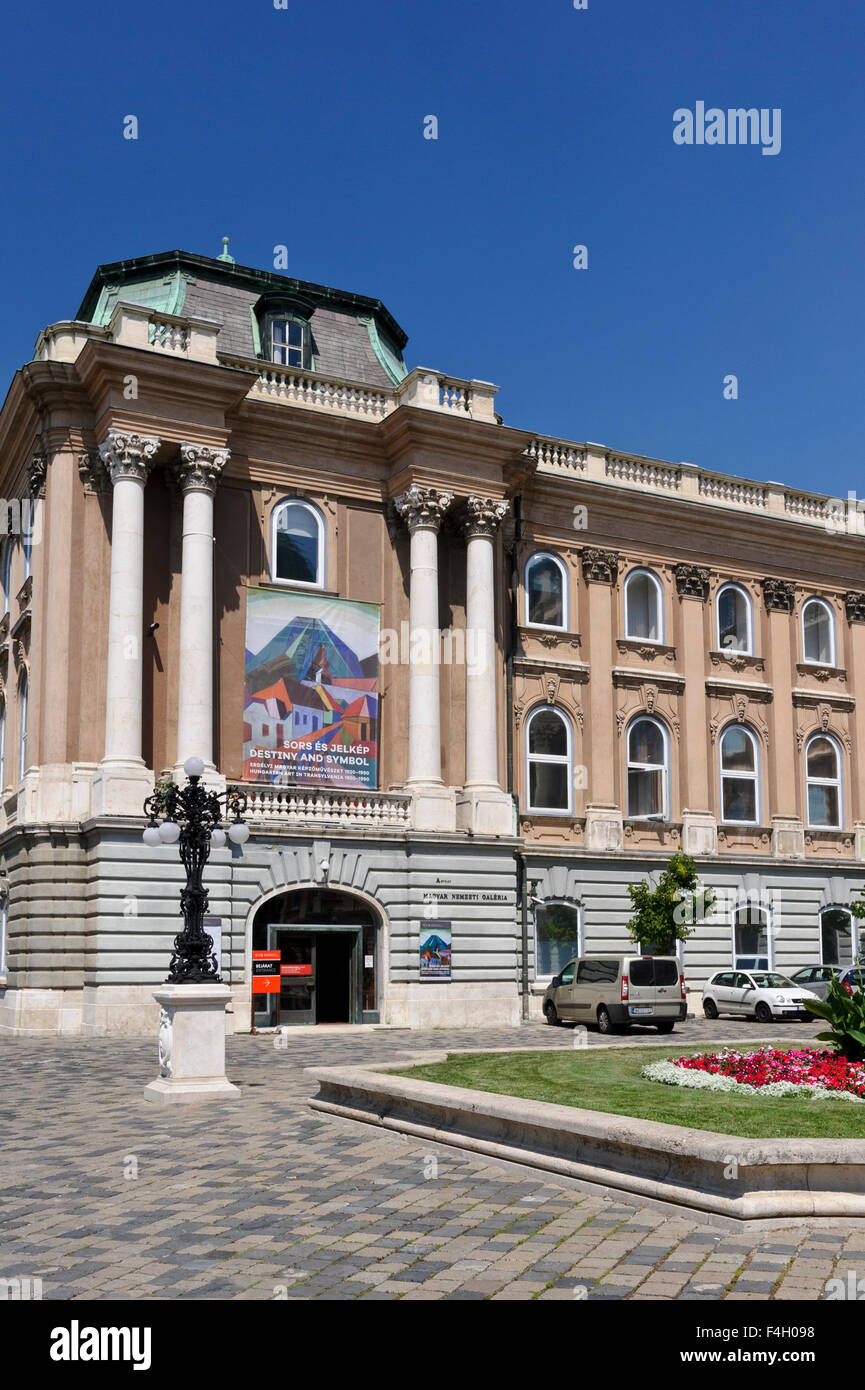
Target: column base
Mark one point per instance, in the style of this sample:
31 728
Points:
485 810
788 838
191 1045
604 829
699 832
120 787
433 807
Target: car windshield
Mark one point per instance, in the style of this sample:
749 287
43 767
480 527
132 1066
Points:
769 980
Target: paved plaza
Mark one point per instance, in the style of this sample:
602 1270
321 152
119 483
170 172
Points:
106 1196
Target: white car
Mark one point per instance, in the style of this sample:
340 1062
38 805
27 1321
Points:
763 994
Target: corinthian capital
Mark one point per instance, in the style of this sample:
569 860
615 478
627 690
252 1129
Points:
483 516
423 507
200 467
128 455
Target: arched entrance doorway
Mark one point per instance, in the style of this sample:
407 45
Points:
328 943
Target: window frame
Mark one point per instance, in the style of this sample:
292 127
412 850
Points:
854 934
749 619
637 572
555 758
274 317
648 767
825 782
23 710
531 561
6 575
755 776
833 635
770 936
321 564
574 907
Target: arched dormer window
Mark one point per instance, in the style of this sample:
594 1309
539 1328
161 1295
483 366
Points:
648 770
735 619
297 553
818 632
823 782
546 585
284 331
740 776
644 607
549 761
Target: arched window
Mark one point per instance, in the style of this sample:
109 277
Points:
740 776
297 550
752 938
837 936
7 575
549 757
546 587
22 727
818 632
558 937
823 781
644 607
648 770
735 623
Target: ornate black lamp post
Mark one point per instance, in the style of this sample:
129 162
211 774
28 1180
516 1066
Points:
192 815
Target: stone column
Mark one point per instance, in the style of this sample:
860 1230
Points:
482 807
604 830
434 804
122 780
699 827
854 604
197 475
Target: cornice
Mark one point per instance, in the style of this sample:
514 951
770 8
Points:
635 675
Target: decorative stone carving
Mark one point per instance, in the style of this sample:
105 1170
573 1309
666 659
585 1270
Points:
650 697
551 687
740 705
129 455
518 713
824 716
166 1044
37 472
423 507
778 595
483 516
599 566
692 581
199 467
93 473
854 603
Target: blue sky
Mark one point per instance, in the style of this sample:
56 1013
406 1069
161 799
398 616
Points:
304 127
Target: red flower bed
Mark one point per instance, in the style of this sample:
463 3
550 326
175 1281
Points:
806 1066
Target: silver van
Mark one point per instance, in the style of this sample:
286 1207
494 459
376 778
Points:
615 991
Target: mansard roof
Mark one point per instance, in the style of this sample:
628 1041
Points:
354 337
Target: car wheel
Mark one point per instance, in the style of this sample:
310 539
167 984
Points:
605 1023
665 1027
710 1008
763 1013
551 1013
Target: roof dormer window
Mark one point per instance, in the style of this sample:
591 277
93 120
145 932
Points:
289 342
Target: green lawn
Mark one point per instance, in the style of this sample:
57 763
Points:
610 1080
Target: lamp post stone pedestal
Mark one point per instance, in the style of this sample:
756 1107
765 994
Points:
193 999
192 1044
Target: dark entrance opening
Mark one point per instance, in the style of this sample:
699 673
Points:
328 945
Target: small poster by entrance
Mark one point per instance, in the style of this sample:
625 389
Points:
311 690
435 951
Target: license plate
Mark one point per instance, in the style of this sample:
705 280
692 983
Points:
641 1009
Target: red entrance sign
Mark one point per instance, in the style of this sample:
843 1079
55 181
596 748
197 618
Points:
265 972
295 970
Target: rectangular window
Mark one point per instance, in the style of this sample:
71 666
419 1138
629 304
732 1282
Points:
751 939
557 938
836 935
548 786
598 972
288 343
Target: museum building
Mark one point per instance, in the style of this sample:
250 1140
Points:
471 680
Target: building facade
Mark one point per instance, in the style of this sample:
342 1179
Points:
473 681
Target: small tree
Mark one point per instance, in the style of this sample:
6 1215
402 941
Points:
661 914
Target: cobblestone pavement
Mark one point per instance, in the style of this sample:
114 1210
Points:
103 1195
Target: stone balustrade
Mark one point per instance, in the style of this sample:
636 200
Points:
291 805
